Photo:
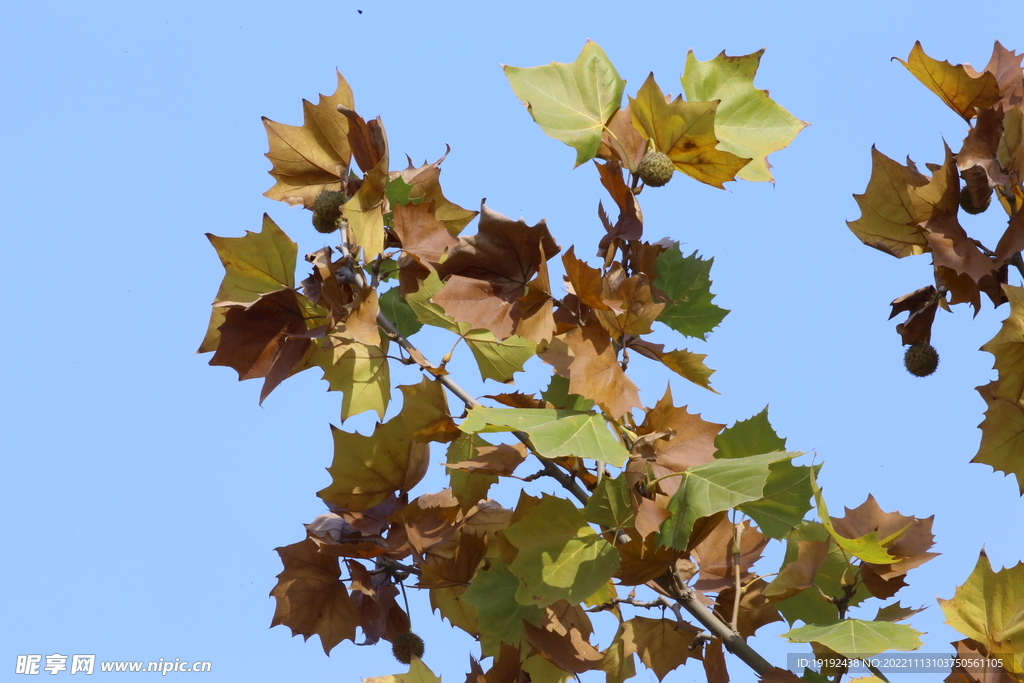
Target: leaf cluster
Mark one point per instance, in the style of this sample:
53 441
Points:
661 501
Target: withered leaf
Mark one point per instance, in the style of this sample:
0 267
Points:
264 338
424 185
663 644
586 358
716 557
488 272
311 599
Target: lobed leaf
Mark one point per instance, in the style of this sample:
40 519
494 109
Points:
561 557
748 122
571 102
553 433
686 283
256 264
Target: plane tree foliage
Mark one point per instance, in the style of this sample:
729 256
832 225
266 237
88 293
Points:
662 515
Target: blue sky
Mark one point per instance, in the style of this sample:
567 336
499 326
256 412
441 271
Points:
142 492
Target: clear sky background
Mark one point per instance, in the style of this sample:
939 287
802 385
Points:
142 492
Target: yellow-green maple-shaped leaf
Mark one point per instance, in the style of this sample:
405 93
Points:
560 555
360 371
254 265
964 91
857 637
1002 432
748 122
311 599
418 673
685 131
309 158
553 433
888 217
573 101
499 360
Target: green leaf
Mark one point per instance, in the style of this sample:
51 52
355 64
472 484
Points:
395 309
787 498
254 265
557 394
553 433
749 437
499 360
398 191
687 284
858 638
714 487
610 505
748 122
468 487
500 617
560 555
571 102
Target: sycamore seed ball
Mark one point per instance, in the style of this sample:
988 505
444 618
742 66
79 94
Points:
327 210
967 202
655 169
921 360
407 646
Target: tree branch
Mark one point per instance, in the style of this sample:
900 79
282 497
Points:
683 594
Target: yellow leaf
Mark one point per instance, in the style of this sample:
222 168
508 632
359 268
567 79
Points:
685 131
955 85
309 158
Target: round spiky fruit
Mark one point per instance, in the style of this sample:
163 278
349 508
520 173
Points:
407 646
327 210
655 169
967 202
921 360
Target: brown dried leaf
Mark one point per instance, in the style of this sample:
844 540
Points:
662 644
642 559
921 304
755 610
692 442
715 556
424 238
621 142
570 651
586 358
425 181
980 151
1005 66
266 338
630 223
500 460
311 599
488 272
